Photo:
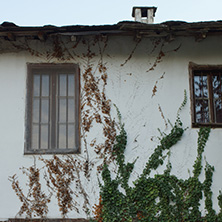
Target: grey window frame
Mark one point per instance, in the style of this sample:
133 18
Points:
53 69
193 68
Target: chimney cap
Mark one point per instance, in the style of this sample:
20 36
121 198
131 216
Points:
143 10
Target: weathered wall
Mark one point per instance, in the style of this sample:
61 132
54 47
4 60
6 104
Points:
137 91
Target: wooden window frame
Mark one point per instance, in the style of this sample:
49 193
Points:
195 67
53 70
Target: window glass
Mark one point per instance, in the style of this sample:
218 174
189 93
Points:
71 110
36 83
62 136
71 85
35 110
35 137
202 111
44 137
62 85
45 85
45 111
71 136
62 110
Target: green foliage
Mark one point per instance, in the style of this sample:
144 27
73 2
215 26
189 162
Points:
211 214
163 197
203 135
220 205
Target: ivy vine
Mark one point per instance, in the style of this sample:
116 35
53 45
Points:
163 197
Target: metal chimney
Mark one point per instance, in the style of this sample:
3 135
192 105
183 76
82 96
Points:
144 14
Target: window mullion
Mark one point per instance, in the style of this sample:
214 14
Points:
49 113
40 111
53 111
67 111
77 102
211 98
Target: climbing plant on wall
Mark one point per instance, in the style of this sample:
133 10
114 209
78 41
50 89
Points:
162 197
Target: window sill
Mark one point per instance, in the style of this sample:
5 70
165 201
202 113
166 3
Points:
54 151
212 125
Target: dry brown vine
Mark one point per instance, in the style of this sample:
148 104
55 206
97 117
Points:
61 174
35 202
95 105
131 54
162 115
155 86
97 210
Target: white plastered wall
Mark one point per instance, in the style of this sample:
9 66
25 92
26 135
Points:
130 87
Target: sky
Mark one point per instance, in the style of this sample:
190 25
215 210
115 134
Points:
100 12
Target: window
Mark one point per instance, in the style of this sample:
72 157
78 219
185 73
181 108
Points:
52 120
206 95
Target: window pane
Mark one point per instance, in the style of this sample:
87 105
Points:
204 86
197 86
45 85
35 137
70 85
35 111
44 136
71 136
71 111
62 85
62 110
62 136
200 86
218 111
45 111
202 111
36 85
216 84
